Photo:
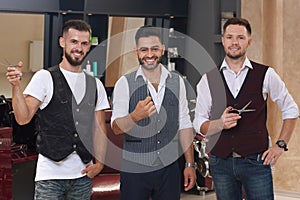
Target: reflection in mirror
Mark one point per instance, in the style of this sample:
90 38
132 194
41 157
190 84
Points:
118 64
18 33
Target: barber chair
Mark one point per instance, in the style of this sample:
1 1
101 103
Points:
204 180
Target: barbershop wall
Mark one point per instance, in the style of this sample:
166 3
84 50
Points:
17 30
276 43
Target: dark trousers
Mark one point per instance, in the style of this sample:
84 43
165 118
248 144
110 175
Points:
161 184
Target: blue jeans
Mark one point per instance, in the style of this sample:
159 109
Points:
64 189
230 174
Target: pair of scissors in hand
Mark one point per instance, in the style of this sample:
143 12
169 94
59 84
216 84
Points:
240 111
7 64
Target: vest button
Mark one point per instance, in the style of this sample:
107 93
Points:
158 142
158 152
74 146
77 110
75 135
158 131
76 123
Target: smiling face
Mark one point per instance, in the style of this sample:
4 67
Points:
76 45
236 41
149 51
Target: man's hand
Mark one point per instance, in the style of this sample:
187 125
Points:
189 178
93 169
229 120
271 155
14 74
145 108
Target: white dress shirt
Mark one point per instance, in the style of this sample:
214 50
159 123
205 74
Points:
121 97
273 87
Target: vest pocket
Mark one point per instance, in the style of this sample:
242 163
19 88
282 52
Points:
133 140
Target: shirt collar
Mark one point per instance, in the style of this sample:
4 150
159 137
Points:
246 63
164 73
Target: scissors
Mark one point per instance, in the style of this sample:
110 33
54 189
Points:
7 64
240 111
147 87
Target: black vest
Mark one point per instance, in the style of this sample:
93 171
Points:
64 125
250 135
156 136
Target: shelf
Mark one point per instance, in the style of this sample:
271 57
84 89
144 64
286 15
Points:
217 38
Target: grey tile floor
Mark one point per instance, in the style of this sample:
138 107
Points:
211 196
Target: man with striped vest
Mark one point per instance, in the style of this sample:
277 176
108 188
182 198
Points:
150 109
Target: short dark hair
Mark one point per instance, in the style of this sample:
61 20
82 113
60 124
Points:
76 24
147 31
238 21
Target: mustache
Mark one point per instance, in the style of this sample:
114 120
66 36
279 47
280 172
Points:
152 57
77 51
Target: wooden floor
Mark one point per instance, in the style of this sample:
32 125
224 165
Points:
279 195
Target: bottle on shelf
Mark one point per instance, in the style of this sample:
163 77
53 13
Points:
95 68
88 68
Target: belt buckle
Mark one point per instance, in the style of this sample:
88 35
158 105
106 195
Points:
236 155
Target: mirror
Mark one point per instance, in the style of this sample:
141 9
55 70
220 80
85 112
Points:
20 32
121 27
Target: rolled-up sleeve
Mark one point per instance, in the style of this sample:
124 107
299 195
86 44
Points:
120 99
184 117
203 104
278 92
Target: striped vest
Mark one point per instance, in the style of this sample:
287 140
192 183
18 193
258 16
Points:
154 137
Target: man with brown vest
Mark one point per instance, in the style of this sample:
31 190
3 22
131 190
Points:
231 111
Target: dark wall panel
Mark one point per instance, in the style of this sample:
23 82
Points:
39 6
110 7
138 7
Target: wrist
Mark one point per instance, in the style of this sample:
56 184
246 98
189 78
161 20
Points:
282 144
191 164
134 117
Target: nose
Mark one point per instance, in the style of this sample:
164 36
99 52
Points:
149 52
79 46
235 41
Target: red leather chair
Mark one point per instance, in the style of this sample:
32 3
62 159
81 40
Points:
106 186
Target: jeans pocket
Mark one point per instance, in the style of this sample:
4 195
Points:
258 162
213 160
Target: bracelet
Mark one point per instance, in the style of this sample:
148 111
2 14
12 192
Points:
194 165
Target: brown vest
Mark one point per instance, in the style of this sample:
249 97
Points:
250 135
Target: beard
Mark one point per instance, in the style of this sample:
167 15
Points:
74 61
150 67
236 56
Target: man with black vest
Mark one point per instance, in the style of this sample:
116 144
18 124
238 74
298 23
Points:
150 109
71 120
231 111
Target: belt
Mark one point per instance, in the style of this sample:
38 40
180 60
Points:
256 156
235 155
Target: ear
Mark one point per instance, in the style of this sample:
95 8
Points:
90 44
62 42
222 39
163 49
250 41
136 51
